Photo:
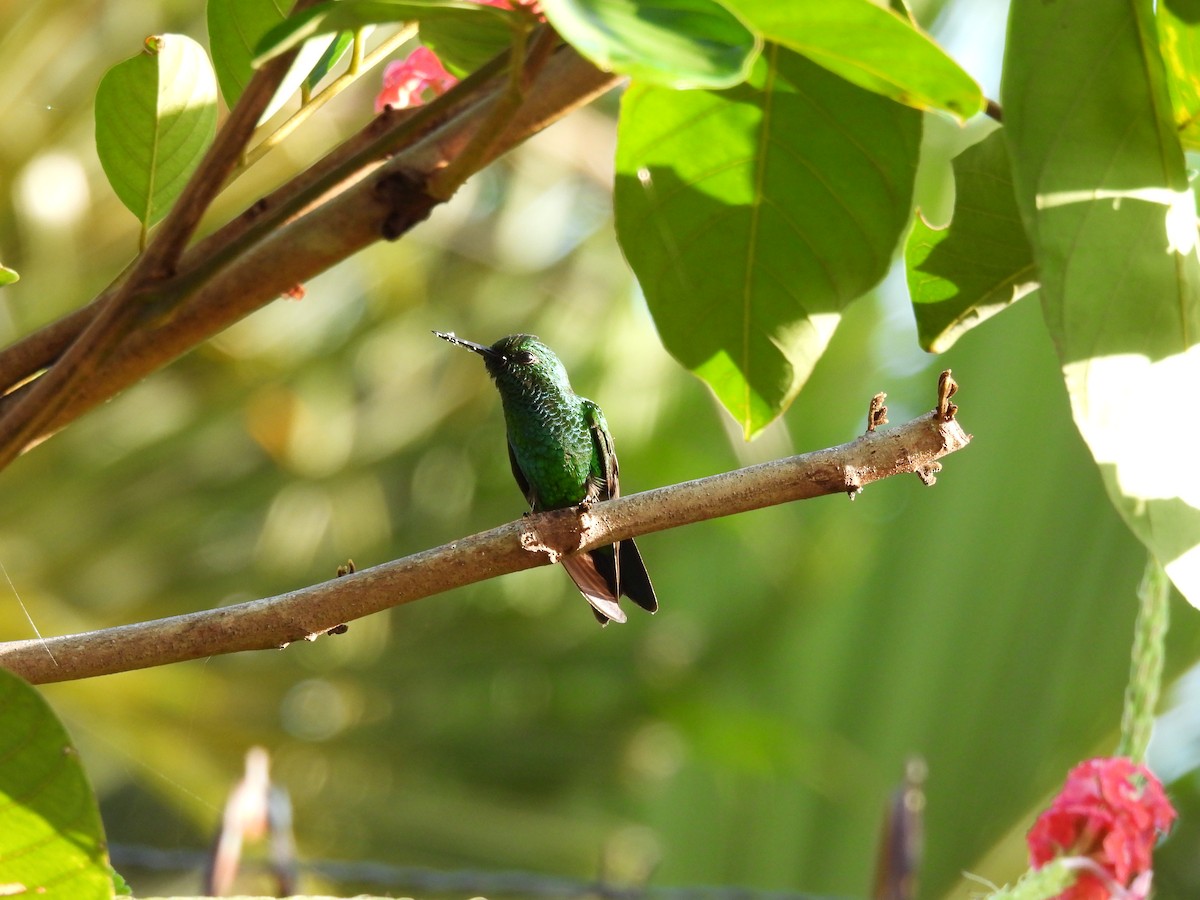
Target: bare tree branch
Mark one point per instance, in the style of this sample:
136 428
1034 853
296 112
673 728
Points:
536 540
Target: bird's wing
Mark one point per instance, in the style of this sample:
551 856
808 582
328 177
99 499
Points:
522 481
592 583
607 454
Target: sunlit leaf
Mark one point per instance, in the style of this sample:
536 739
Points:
51 839
753 216
350 15
8 276
1179 37
871 46
156 114
963 274
1102 185
674 43
234 29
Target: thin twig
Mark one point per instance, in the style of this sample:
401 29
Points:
536 540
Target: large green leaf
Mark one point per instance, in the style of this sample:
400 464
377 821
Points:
234 29
874 47
51 839
963 274
156 114
752 216
349 15
674 43
1102 185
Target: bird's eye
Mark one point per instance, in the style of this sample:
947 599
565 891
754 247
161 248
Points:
523 358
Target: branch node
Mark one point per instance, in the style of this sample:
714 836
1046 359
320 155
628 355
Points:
947 388
928 473
852 481
532 541
877 413
407 202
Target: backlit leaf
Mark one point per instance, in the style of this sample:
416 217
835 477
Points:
1102 186
349 15
876 48
156 114
963 274
674 43
753 216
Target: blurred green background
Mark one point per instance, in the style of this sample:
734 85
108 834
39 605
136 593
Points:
749 734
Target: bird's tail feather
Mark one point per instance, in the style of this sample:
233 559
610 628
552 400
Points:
595 585
635 580
631 579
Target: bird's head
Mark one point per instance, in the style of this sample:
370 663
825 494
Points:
519 361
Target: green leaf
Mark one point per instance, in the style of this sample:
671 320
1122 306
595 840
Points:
960 275
1102 186
234 29
673 43
464 43
350 15
753 216
156 114
51 838
8 276
330 58
871 46
1179 37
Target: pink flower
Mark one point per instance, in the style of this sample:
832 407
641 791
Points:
1111 812
407 81
534 6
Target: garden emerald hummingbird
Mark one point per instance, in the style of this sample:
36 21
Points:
562 455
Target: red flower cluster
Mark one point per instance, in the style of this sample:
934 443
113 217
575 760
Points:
1110 812
412 81
421 76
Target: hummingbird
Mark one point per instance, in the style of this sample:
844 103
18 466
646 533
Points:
562 455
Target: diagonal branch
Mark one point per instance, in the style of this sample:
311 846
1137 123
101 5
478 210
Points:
337 207
536 540
24 420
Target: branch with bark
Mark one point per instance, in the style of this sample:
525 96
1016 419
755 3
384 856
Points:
377 185
535 540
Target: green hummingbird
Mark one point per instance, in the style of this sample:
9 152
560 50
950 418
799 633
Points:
562 455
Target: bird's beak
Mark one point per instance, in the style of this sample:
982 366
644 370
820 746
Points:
481 349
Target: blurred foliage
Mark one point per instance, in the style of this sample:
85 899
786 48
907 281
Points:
749 734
